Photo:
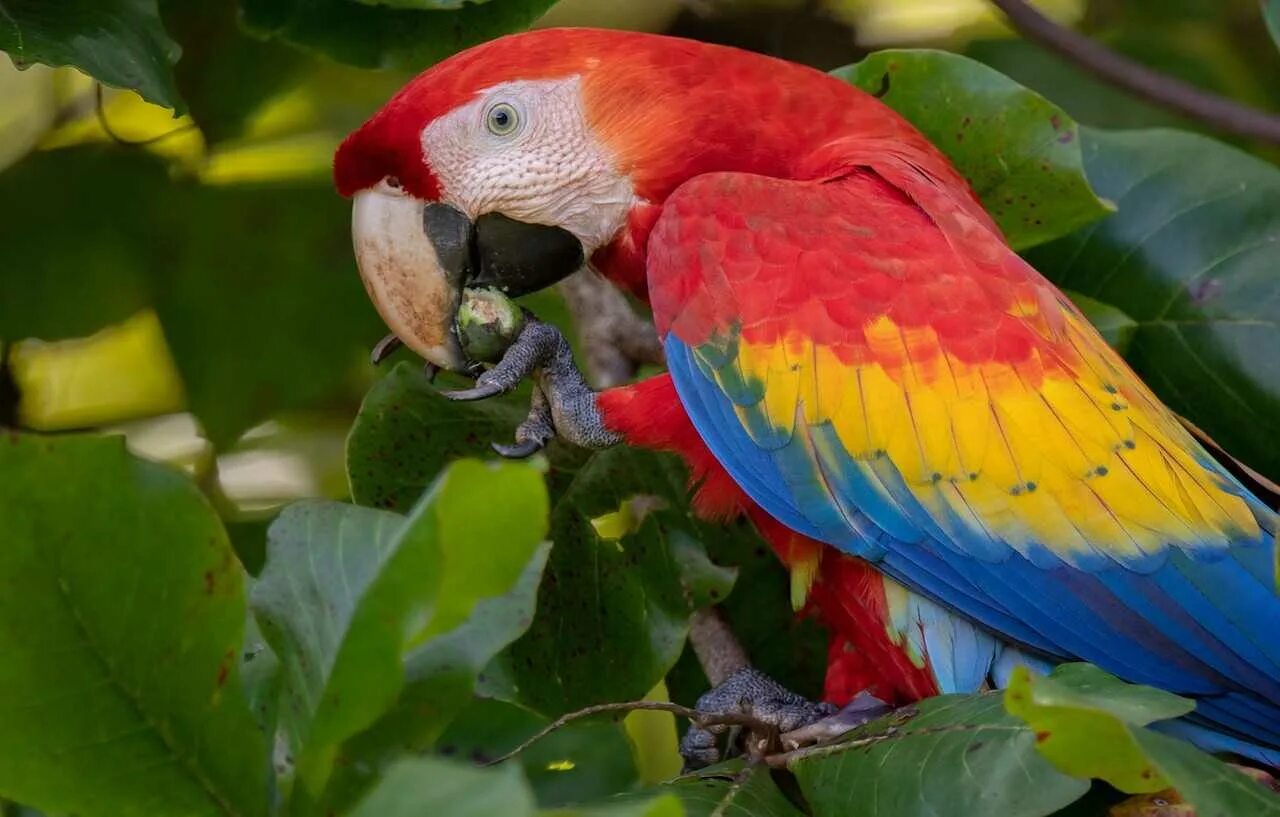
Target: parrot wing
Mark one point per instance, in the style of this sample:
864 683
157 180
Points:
879 371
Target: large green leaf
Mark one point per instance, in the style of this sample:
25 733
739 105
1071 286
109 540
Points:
1271 11
1083 720
1020 152
121 612
348 592
1190 258
440 679
962 756
376 37
120 42
1090 724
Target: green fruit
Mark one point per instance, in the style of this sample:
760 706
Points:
488 323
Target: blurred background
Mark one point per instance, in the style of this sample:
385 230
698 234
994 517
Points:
190 282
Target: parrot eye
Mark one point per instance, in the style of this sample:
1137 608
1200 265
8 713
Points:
502 119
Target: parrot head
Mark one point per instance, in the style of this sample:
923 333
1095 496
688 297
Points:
486 170
510 164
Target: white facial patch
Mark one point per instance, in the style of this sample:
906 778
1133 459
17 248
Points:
549 169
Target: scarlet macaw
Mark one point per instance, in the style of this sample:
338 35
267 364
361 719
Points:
958 470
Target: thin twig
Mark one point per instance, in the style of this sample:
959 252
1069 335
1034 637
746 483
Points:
782 759
101 112
739 780
1147 83
700 718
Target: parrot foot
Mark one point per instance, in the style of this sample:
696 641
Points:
534 433
796 721
564 405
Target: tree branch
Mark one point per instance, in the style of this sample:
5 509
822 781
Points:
717 648
1174 94
615 339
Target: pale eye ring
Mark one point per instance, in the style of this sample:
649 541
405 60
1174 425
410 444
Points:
502 119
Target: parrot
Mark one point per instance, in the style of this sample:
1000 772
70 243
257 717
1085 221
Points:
959 473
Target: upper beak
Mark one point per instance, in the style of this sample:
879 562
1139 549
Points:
416 260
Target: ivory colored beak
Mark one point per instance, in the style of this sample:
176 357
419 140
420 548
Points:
413 260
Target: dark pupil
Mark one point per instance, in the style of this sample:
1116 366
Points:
500 118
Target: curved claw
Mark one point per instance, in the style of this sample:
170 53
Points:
518 451
384 348
481 392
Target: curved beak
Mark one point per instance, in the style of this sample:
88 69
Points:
416 259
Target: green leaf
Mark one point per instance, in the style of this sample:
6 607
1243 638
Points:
1083 721
406 432
375 37
611 616
1190 258
730 790
119 42
1213 787
662 806
440 679
428 785
1020 152
224 74
121 612
348 592
1085 686
1271 12
259 298
53 288
614 619
582 762
1090 724
705 583
961 756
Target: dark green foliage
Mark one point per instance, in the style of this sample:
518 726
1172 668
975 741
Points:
121 42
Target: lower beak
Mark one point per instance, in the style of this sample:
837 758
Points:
416 260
